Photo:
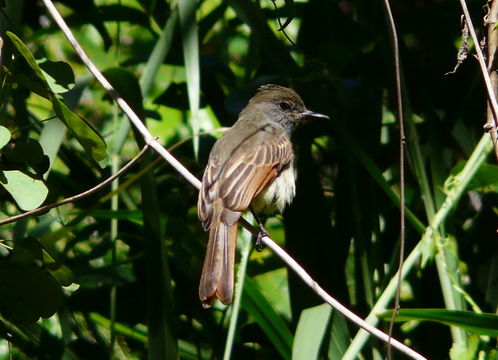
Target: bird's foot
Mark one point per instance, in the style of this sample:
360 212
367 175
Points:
259 245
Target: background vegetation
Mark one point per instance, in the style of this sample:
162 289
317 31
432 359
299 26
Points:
115 275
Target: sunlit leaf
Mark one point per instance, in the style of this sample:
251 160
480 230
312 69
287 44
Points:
310 332
271 323
26 54
86 135
28 192
58 74
4 136
482 324
188 22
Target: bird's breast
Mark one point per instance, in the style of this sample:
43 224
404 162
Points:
279 193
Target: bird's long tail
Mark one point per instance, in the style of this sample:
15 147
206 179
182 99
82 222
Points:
217 272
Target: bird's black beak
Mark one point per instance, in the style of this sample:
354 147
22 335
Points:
307 114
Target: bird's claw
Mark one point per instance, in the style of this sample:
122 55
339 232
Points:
259 245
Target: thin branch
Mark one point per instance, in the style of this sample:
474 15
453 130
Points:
490 21
490 126
399 103
196 183
80 196
283 26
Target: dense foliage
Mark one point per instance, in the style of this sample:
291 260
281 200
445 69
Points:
115 273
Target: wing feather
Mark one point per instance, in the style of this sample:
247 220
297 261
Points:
242 177
257 169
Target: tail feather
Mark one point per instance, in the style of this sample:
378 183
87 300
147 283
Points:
217 272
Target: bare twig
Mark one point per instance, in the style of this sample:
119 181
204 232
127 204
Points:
399 103
490 21
490 126
196 183
283 26
80 196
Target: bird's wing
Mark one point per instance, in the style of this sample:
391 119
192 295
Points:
243 176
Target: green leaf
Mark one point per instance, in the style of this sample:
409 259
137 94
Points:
86 135
58 74
188 22
28 292
30 250
61 273
310 332
270 322
31 153
482 324
26 54
126 84
4 136
28 193
485 180
275 286
339 336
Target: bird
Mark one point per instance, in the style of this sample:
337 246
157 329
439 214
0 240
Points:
250 167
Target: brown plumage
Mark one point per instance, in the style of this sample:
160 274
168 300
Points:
250 164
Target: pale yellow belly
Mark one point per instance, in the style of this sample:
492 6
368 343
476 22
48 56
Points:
278 194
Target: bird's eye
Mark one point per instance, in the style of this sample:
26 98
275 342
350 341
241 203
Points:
284 105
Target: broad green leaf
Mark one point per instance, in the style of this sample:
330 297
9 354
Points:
86 135
28 292
4 136
29 250
482 324
26 54
27 72
28 193
270 322
61 76
310 332
31 153
339 336
28 151
58 74
275 286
